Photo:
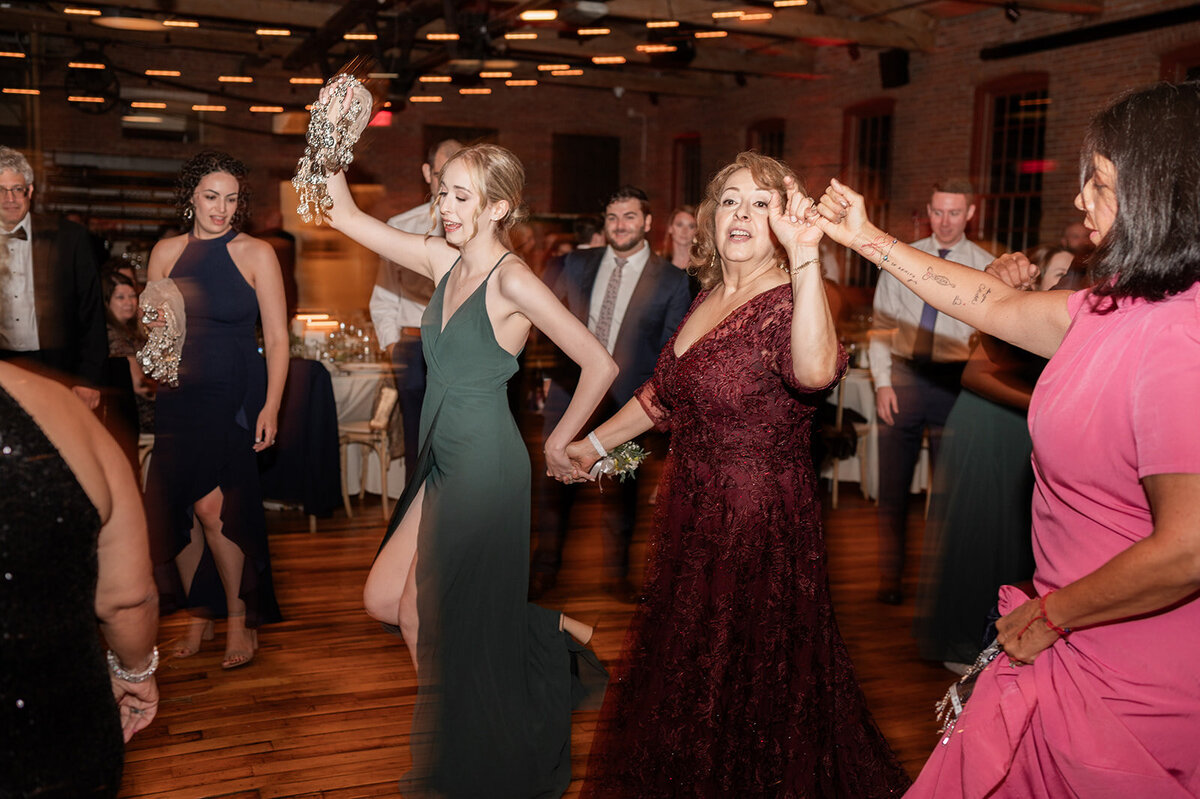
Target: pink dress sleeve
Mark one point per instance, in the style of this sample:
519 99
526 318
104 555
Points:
1166 433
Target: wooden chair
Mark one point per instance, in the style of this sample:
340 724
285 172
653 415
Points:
372 434
861 431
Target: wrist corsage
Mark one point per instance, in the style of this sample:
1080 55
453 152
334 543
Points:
620 462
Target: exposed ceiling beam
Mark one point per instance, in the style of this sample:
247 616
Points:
798 23
709 57
634 82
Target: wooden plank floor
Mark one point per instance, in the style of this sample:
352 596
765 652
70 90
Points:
324 709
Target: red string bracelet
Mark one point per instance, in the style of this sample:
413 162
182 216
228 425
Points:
1062 632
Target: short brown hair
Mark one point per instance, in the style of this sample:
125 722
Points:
955 185
768 174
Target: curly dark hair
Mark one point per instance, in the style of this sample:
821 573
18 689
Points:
205 163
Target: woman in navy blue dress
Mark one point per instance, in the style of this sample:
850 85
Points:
203 497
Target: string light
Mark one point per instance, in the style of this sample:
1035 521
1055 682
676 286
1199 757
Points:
711 34
266 109
521 82
435 79
566 73
442 37
11 55
656 48
306 81
495 74
163 73
540 15
475 91
552 67
82 12
79 98
181 23
158 106
663 23
359 37
234 79
608 59
214 108
593 31
273 32
85 65
424 98
33 92
515 36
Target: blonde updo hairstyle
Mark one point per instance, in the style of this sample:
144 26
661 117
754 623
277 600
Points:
497 175
767 174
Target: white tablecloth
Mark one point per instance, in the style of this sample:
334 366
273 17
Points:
859 395
355 386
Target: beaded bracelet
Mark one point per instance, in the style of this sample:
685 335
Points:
120 672
600 450
1062 632
887 254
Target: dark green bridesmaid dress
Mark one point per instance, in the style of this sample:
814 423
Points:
498 679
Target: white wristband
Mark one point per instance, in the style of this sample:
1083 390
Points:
600 450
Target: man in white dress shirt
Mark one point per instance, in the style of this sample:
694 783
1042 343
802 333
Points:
398 301
51 311
917 357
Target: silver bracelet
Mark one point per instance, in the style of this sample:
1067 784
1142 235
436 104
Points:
119 671
887 254
600 450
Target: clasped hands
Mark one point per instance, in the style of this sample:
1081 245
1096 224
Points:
572 463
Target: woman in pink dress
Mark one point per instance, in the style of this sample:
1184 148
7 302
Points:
1096 693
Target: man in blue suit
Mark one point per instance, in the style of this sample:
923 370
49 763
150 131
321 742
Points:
632 300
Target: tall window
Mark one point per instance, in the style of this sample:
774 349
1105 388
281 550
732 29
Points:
685 170
1010 159
766 136
867 156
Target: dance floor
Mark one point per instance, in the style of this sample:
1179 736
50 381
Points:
324 709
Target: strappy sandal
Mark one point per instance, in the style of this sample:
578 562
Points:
235 659
190 644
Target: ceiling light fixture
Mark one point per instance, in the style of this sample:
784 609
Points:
608 59
11 55
141 119
33 92
656 48
82 12
158 106
359 37
234 79
86 65
521 82
424 98
163 73
540 15
504 74
566 73
181 23
83 98
789 3
266 109
711 34
214 108
435 78
761 16
520 36
593 31
552 67
475 91
442 37
663 23
727 14
306 81
273 32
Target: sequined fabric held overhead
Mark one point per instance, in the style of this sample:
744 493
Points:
735 681
60 737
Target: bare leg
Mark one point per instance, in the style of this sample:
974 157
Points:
240 641
392 600
187 561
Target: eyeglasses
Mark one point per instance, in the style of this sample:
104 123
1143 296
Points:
14 191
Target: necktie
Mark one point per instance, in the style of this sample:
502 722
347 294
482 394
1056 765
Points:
19 234
923 346
604 321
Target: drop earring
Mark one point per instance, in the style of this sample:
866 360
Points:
188 213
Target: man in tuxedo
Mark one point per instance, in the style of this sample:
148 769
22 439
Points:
632 300
51 312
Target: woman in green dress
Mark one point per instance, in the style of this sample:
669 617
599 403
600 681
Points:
495 672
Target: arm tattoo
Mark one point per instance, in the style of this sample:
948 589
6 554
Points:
936 278
981 294
958 300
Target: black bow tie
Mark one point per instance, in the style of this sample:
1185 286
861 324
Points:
18 234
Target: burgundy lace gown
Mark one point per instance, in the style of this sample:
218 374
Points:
735 681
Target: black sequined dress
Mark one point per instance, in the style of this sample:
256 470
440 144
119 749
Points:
60 735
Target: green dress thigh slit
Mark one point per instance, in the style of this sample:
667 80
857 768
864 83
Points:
498 679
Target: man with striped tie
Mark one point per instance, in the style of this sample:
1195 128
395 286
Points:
917 357
632 300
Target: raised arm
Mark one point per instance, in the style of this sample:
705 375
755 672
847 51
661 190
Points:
814 338
1034 321
534 300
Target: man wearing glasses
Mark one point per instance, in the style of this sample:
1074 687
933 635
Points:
51 314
